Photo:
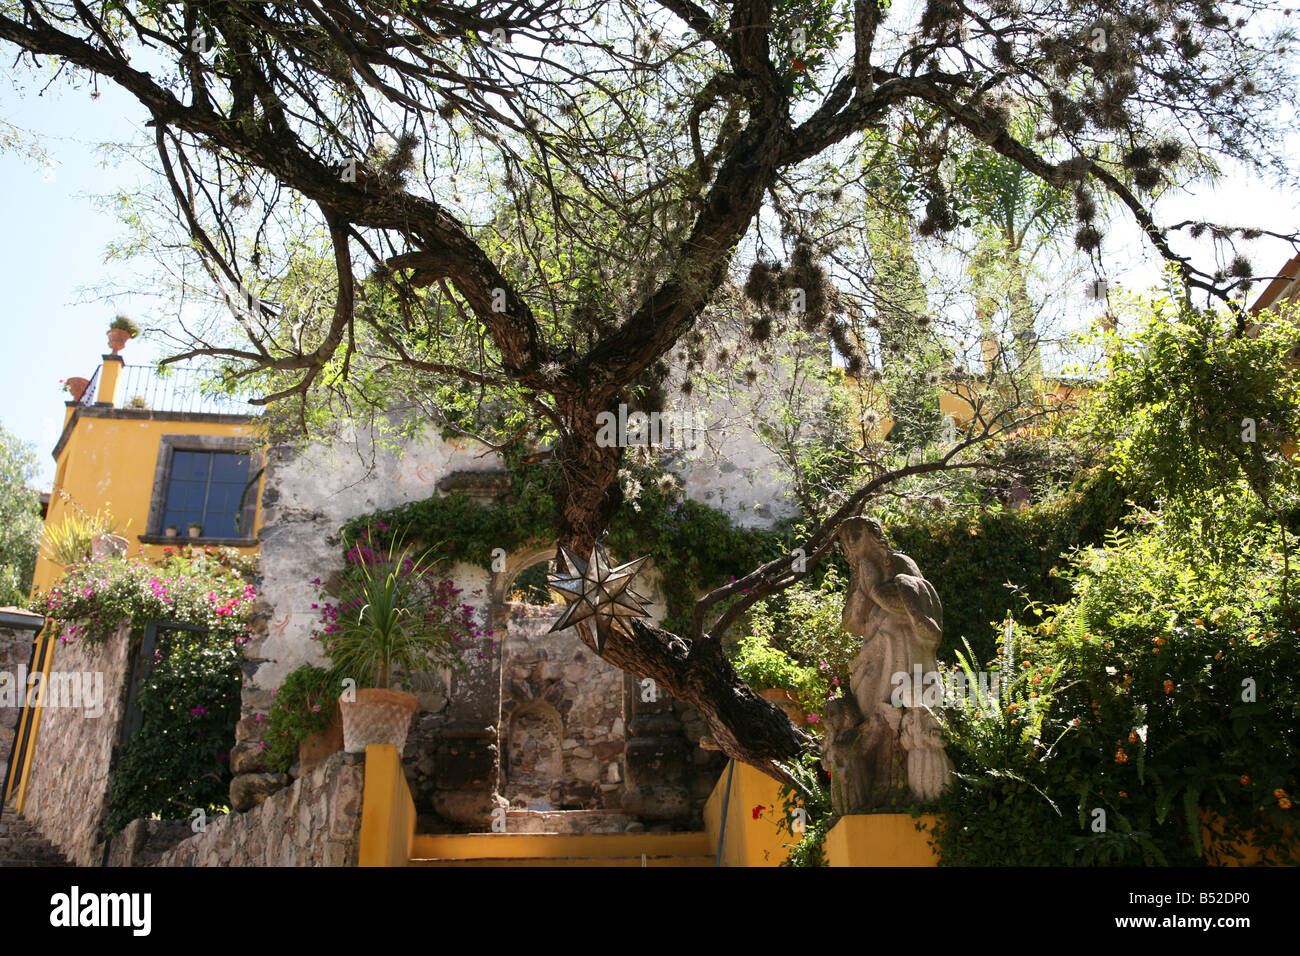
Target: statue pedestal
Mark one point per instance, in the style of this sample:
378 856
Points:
882 839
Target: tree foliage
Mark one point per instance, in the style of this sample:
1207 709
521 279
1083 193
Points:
20 519
523 211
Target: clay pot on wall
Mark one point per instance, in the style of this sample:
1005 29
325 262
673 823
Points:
108 546
377 717
117 339
170 531
785 698
77 387
195 530
318 748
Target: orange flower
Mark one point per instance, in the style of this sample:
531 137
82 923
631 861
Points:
1123 794
1284 803
1245 780
1169 687
1219 656
1279 793
1075 722
1160 642
1011 707
1132 736
1121 756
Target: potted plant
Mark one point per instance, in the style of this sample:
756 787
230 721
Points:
304 723
394 620
774 674
137 402
170 531
195 529
76 387
120 331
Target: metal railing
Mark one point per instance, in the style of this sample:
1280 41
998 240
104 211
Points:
88 396
177 390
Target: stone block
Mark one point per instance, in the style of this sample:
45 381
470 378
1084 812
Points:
250 790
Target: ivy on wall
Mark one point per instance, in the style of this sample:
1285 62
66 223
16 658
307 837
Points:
695 546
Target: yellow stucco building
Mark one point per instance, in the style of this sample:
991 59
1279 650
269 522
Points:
157 456
154 453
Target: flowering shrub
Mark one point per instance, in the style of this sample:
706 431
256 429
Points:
189 690
202 587
394 616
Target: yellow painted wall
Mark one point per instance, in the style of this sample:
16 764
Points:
882 839
109 464
749 841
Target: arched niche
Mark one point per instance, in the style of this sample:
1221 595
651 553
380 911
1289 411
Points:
533 746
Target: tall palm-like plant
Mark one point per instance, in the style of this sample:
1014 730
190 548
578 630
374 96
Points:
394 616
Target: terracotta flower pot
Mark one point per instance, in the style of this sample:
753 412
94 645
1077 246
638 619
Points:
195 532
785 698
77 387
377 717
317 748
117 339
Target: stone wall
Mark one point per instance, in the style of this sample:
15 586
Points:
15 655
533 721
314 822
70 774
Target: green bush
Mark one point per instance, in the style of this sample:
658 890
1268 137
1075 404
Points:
1165 685
305 704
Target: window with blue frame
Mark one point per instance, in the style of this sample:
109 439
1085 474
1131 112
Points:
207 488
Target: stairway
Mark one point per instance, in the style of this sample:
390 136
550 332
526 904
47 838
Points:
22 845
562 849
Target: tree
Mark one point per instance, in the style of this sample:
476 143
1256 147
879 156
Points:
549 197
20 519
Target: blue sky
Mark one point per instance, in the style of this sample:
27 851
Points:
52 251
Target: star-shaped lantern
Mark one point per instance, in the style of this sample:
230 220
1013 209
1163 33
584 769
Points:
594 590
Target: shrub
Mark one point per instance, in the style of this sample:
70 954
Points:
305 704
1165 685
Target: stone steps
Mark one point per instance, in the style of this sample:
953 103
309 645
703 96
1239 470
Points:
562 849
22 845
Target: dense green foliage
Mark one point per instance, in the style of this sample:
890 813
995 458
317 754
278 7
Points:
693 544
996 561
20 519
188 692
1166 684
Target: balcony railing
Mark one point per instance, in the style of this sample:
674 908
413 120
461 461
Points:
177 390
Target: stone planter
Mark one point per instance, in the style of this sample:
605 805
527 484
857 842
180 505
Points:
377 717
318 748
785 698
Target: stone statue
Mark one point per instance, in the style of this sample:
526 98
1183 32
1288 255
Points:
881 754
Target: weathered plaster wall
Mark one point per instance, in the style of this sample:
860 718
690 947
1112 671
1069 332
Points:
69 779
308 496
314 822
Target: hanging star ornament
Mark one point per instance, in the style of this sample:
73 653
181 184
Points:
596 592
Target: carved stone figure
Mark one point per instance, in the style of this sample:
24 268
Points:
882 754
